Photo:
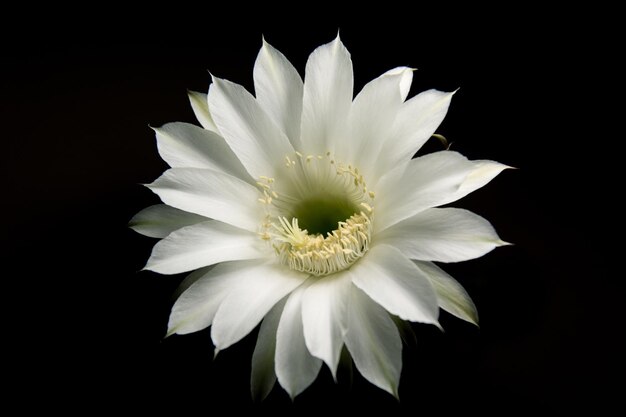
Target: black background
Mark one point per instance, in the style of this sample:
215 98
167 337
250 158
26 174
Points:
84 328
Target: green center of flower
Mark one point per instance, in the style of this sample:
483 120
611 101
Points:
319 216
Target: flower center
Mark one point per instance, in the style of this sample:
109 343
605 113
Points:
321 214
318 216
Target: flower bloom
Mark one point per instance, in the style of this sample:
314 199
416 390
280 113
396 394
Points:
303 210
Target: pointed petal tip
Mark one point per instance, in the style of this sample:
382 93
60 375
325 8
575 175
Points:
504 243
215 352
193 93
264 43
394 392
439 326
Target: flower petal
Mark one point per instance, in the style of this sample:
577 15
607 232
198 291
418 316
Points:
483 172
203 244
195 308
424 182
328 89
261 288
415 123
406 80
374 342
324 317
395 283
371 117
258 143
160 220
211 194
183 145
263 377
443 235
189 280
200 105
451 295
296 368
278 88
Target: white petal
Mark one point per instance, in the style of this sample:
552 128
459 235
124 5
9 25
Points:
442 234
483 172
211 194
278 88
263 377
424 182
405 82
395 283
374 342
256 140
328 86
451 295
324 317
244 307
296 368
195 308
160 220
371 117
415 123
183 145
203 244
200 105
190 279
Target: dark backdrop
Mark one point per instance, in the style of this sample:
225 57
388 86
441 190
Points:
84 328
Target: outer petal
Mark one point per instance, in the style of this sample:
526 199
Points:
296 368
160 220
395 283
451 295
195 308
183 145
190 279
328 87
405 82
424 182
278 88
415 123
374 342
324 317
263 377
211 194
444 235
203 244
371 117
200 105
483 172
256 140
244 308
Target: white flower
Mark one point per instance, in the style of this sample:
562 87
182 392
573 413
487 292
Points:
303 209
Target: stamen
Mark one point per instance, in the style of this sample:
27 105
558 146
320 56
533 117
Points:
318 255
324 251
